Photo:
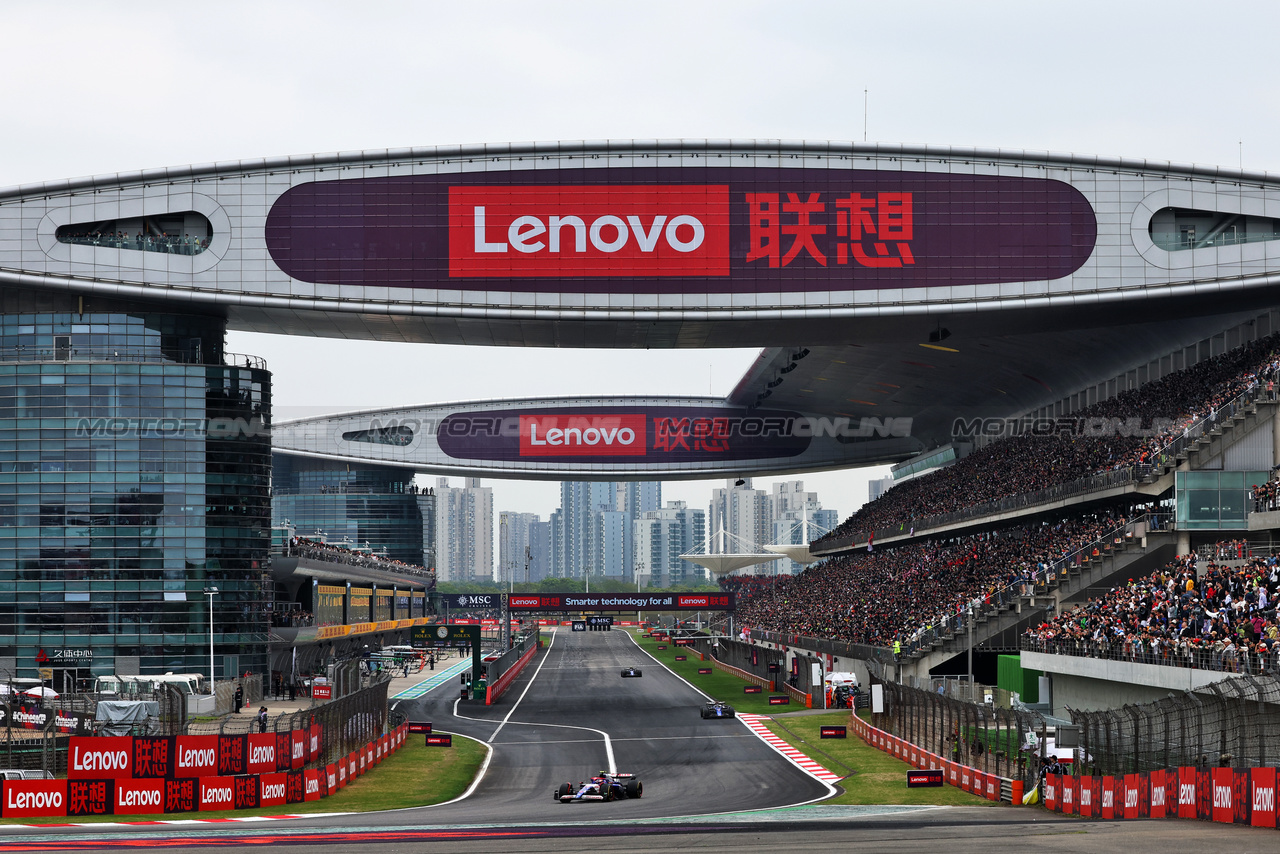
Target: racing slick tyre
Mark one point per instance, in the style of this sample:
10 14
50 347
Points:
565 789
704 714
634 788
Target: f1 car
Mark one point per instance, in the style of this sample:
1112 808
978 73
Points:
630 671
718 709
602 787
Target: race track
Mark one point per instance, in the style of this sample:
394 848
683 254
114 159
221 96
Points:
571 713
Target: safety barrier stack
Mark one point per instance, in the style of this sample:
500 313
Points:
1226 795
147 775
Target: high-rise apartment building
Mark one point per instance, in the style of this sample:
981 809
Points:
464 531
661 536
592 531
515 546
741 518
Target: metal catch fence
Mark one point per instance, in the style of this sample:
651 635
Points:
346 723
1226 724
984 736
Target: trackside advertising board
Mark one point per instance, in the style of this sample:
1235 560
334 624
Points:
573 602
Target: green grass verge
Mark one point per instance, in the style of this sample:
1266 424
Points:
876 777
414 776
717 684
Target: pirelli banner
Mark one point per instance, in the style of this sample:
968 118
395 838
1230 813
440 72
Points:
576 602
171 774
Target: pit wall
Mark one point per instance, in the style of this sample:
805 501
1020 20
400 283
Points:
1226 795
496 688
963 777
199 773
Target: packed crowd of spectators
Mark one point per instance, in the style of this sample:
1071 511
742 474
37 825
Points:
316 550
1266 496
294 619
1026 463
172 244
900 594
1222 618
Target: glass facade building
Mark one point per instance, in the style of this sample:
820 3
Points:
355 506
134 474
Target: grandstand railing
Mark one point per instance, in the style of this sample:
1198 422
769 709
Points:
1165 457
1193 655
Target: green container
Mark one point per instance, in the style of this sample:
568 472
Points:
1012 677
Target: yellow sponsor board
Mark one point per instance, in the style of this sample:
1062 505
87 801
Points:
332 632
361 628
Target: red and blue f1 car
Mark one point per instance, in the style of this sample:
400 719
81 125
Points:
602 787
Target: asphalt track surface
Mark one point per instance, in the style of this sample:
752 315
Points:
709 785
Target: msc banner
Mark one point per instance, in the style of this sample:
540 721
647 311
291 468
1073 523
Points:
572 602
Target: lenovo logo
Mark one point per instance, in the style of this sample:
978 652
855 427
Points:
216 796
98 760
1222 797
582 435
591 231
271 791
1264 800
126 797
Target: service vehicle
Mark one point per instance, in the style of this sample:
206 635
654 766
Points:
605 786
718 709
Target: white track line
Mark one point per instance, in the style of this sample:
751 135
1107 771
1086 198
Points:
795 757
608 742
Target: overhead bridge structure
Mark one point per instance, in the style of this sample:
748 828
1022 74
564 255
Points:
893 289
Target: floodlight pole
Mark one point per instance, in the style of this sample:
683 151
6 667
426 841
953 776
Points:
211 592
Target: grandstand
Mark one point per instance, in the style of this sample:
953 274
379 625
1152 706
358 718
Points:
1018 546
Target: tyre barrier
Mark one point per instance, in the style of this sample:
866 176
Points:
143 775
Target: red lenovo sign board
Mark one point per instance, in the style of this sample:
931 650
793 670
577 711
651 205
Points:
98 758
554 231
577 602
567 435
138 797
217 793
273 789
261 753
35 798
195 756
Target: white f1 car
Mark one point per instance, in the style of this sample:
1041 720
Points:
630 671
602 787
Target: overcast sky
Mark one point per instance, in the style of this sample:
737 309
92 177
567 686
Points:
96 88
